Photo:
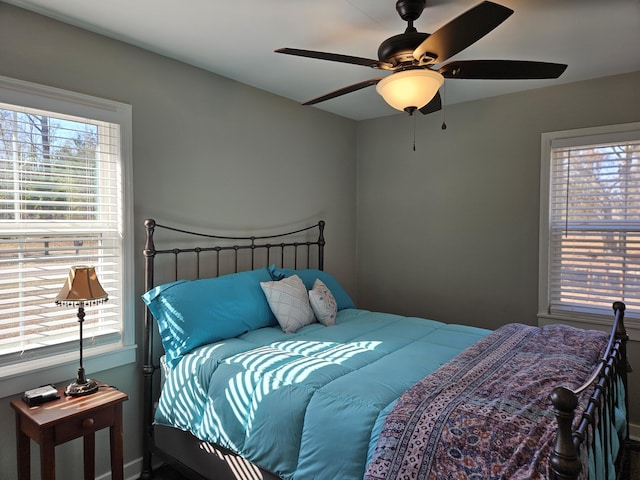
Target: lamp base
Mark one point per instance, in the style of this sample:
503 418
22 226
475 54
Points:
76 389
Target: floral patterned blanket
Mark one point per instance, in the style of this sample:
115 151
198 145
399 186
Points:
486 414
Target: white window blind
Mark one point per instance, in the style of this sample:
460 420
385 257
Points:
61 204
594 223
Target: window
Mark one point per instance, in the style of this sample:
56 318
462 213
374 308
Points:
590 222
64 189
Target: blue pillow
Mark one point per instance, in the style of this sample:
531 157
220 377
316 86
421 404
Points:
191 313
309 276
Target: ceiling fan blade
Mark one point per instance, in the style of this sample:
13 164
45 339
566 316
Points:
461 32
501 69
336 57
433 106
343 91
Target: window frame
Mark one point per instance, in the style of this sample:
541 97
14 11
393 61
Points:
577 319
63 366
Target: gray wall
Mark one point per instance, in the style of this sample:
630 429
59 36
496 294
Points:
206 151
462 212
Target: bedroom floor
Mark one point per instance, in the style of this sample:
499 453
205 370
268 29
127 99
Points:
634 460
166 473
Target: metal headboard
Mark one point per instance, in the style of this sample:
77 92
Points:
220 255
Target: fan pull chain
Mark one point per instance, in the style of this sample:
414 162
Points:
414 132
444 107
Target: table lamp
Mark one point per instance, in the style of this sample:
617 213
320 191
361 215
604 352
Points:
82 287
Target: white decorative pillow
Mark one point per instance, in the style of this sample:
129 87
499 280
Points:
289 302
323 303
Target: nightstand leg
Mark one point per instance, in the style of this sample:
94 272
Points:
47 455
23 447
117 454
89 456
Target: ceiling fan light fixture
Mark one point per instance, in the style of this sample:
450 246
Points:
410 89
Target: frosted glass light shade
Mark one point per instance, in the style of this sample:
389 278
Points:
410 88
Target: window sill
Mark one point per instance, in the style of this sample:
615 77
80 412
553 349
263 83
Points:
631 325
26 375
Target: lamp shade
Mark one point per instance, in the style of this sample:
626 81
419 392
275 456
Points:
81 287
410 89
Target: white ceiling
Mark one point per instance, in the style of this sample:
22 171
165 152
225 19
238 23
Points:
236 39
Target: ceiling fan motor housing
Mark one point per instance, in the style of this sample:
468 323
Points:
398 50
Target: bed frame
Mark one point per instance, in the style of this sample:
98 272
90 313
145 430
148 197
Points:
213 255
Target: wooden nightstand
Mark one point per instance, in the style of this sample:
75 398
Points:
61 420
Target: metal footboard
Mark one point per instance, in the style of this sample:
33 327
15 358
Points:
596 428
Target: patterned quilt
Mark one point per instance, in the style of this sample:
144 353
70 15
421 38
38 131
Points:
486 414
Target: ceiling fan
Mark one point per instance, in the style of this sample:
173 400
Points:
411 57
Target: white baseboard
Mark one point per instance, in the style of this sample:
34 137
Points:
634 432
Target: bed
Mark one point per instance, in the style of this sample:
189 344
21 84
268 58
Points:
259 365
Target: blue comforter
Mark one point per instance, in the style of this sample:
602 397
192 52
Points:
307 405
